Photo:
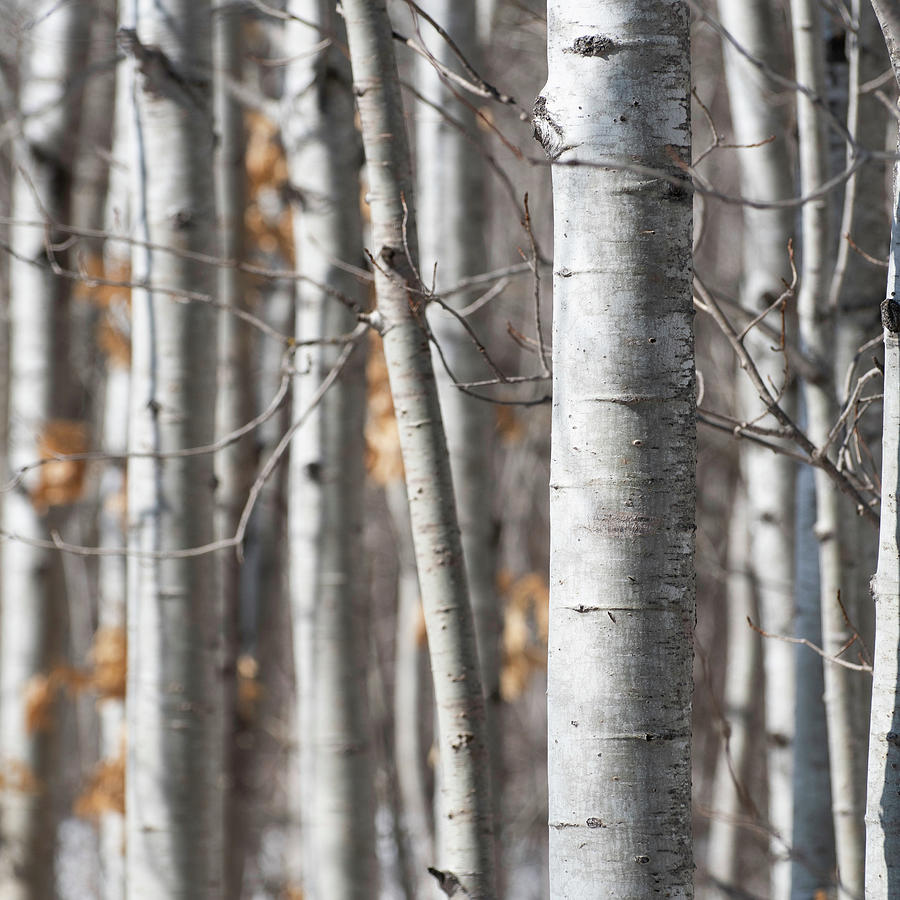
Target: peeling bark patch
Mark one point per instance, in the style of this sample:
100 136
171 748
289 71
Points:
601 45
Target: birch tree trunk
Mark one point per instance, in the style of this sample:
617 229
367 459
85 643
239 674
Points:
174 817
411 698
467 850
765 174
450 189
30 636
883 790
812 845
235 464
622 451
742 668
114 336
326 477
855 281
846 747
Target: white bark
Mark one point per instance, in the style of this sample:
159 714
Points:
765 173
812 859
174 815
623 451
234 465
327 575
450 189
846 742
854 283
742 670
31 614
467 831
883 802
410 698
883 790
111 575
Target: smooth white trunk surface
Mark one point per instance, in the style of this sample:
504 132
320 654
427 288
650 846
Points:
730 800
623 452
174 812
467 830
32 609
450 215
326 474
846 734
765 173
883 798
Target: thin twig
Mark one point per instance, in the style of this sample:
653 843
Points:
856 667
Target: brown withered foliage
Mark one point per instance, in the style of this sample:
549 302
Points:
267 170
60 481
105 789
109 658
383 461
525 625
249 688
16 776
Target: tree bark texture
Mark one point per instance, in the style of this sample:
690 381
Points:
326 475
732 802
467 848
234 465
622 451
174 816
883 788
33 611
450 187
765 174
846 742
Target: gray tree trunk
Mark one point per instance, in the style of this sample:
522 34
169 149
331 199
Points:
765 174
234 465
326 474
622 452
467 849
883 790
111 574
450 188
846 733
812 859
30 632
411 699
742 670
174 815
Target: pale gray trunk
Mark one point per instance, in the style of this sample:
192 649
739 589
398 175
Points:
32 610
846 732
111 575
622 454
234 465
467 832
883 804
812 859
174 814
854 283
326 474
883 792
765 174
410 698
732 803
450 188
